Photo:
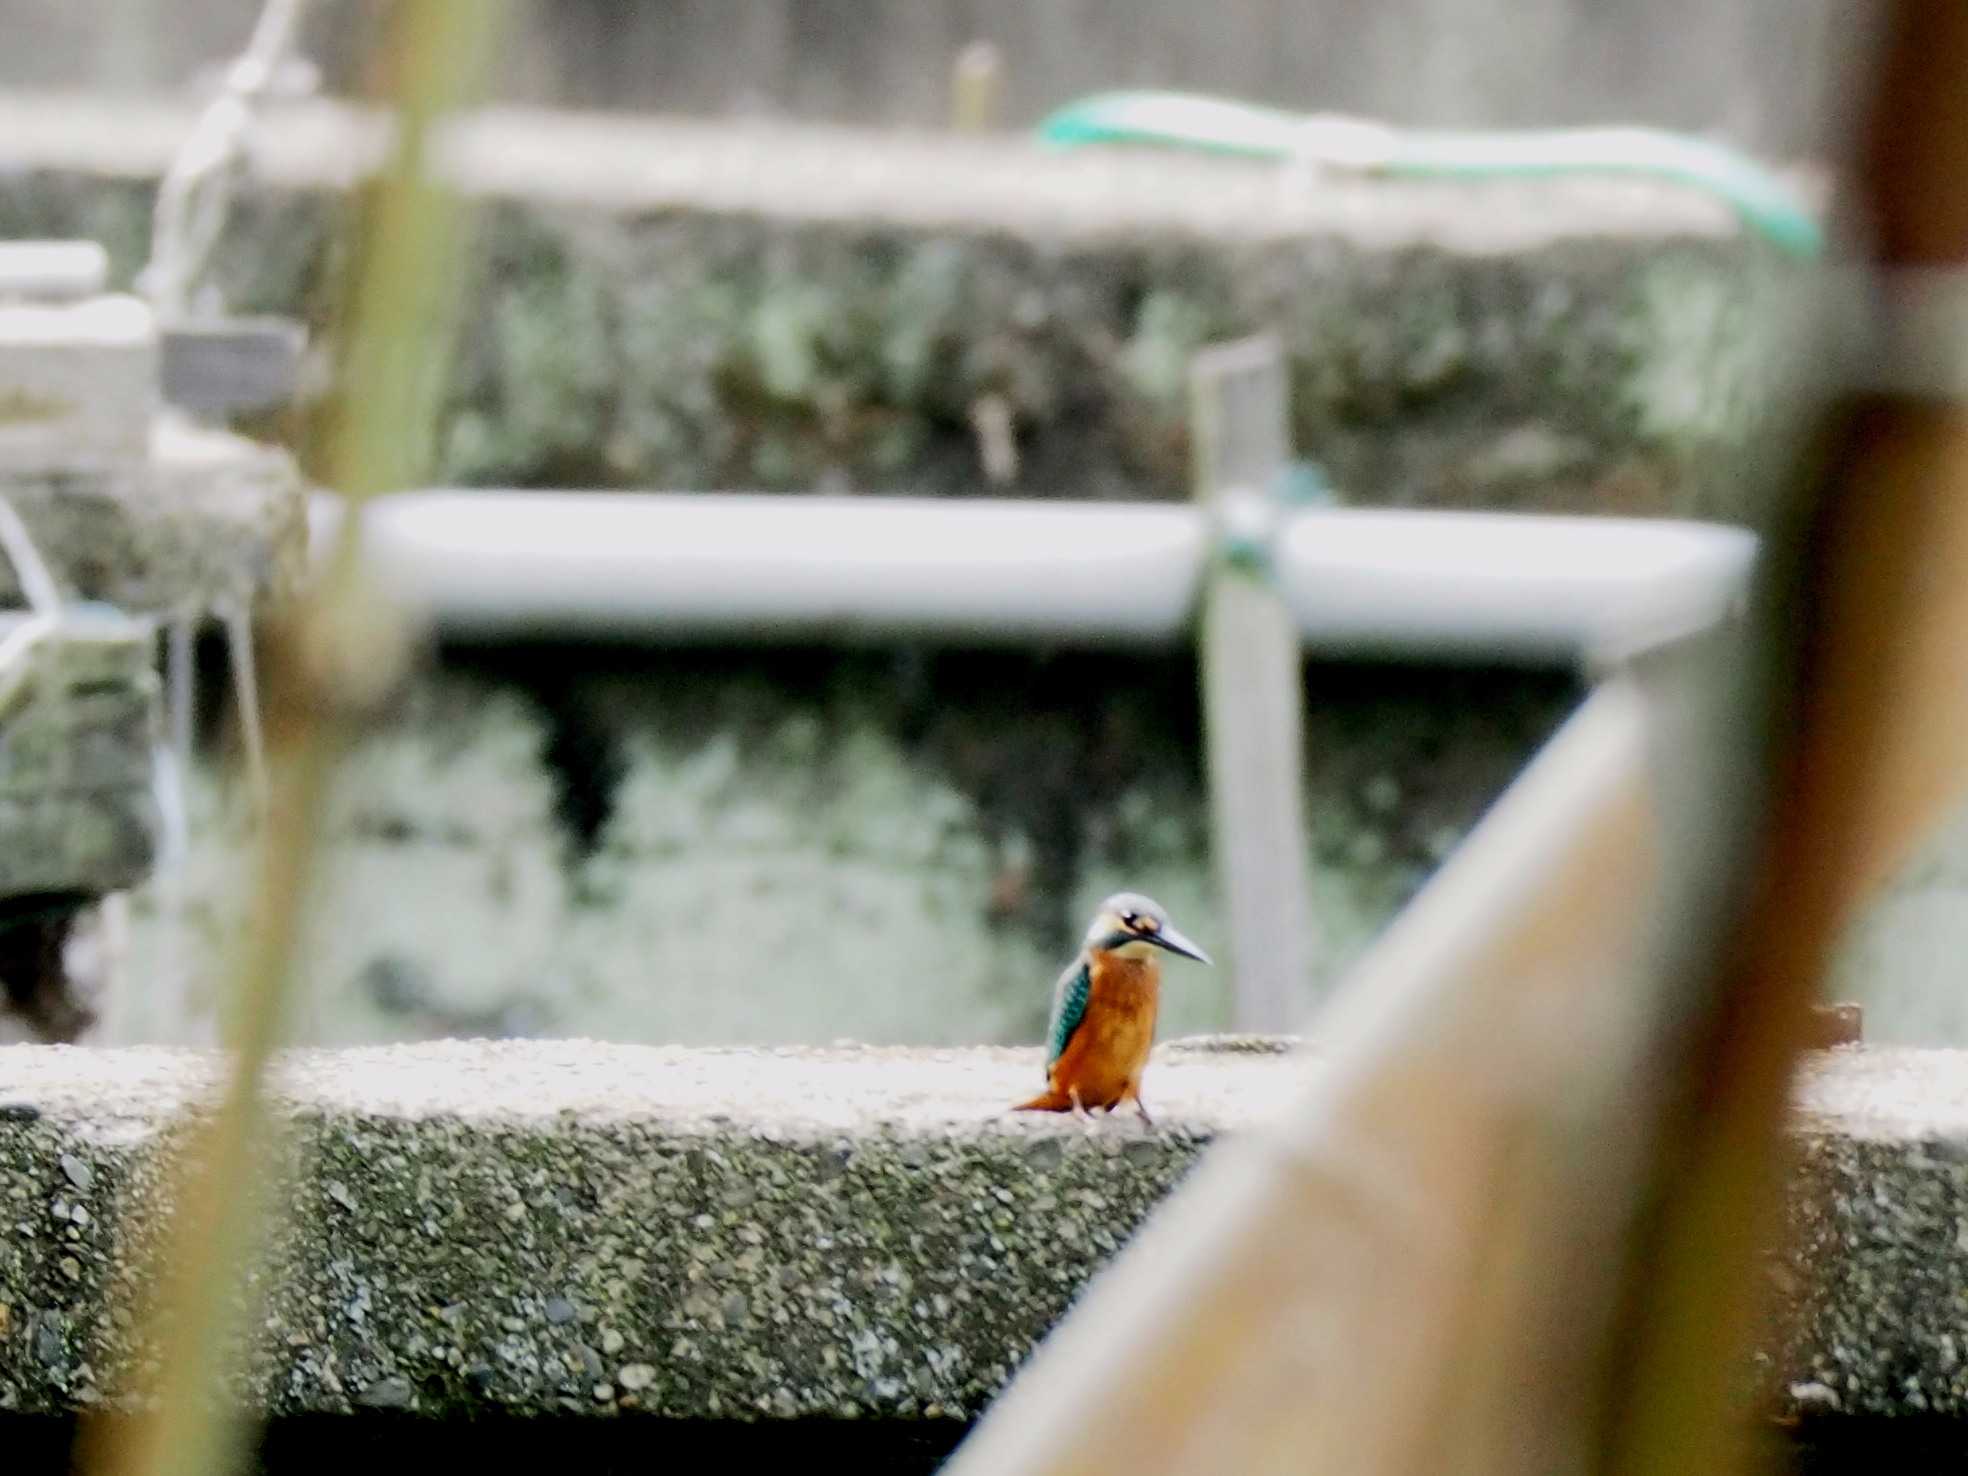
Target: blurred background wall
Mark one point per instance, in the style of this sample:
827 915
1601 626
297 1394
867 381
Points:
901 845
1761 73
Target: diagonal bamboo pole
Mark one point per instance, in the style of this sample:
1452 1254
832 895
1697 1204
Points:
1309 1298
327 660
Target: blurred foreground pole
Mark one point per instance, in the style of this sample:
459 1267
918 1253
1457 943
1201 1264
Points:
1253 692
1878 705
1398 1274
1515 1221
330 657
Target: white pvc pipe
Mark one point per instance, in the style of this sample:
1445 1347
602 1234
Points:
742 565
1519 586
689 567
52 271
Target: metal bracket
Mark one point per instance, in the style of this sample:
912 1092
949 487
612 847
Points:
212 368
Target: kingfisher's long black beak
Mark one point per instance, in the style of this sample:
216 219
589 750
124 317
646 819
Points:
1167 936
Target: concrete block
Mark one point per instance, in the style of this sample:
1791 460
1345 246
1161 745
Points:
206 519
232 366
78 386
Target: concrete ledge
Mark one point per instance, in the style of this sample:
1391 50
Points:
700 306
555 1227
823 173
576 1226
205 521
1878 1277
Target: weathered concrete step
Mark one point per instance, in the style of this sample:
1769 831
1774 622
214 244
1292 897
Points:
558 1227
126 505
688 305
209 520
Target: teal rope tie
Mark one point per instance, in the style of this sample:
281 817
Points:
1249 528
1217 125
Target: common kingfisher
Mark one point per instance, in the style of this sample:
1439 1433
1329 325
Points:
1103 1009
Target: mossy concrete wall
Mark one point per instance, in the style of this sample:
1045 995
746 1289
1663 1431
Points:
687 306
797 848
573 1228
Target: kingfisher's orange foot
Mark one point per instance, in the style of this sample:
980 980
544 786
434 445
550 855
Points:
1079 1109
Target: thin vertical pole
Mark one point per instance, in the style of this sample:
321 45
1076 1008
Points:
1253 691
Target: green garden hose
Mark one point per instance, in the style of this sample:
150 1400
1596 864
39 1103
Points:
1218 125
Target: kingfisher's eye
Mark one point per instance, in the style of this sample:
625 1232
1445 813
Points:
1129 920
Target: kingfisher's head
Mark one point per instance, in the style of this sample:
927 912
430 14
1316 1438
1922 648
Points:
1135 926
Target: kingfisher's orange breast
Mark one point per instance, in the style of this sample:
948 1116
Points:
1107 1054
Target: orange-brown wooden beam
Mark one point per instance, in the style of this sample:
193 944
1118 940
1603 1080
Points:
1870 640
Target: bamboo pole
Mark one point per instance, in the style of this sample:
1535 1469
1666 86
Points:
1879 707
327 662
1376 1282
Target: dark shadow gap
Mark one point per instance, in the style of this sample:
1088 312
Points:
387 1444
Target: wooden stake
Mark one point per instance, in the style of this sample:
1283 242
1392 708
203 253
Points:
1253 690
976 81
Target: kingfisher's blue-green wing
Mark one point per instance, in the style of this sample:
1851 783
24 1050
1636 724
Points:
1069 1007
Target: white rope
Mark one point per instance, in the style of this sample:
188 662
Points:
196 195
193 203
37 584
246 692
180 668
